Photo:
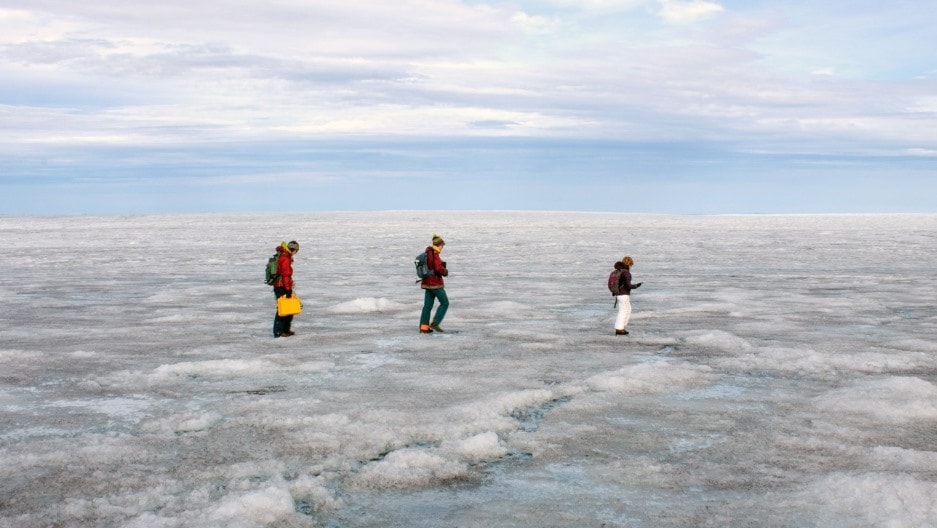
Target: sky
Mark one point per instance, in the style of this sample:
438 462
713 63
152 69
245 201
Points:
659 106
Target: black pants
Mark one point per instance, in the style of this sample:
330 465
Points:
281 324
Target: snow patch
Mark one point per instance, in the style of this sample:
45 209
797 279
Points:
263 507
183 423
368 305
479 448
409 468
652 378
890 400
718 340
214 369
876 499
807 362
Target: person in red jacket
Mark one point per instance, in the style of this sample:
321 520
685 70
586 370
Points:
284 286
434 288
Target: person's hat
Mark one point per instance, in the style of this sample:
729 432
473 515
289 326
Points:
293 246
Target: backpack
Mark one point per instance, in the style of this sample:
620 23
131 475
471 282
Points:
613 279
422 267
271 275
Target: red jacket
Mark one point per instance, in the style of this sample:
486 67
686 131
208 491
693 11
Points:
284 269
437 265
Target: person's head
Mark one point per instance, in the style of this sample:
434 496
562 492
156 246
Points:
438 241
627 261
293 247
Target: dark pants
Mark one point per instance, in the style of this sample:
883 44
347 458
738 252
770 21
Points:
281 324
428 298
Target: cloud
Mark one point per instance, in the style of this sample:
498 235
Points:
681 12
600 5
87 78
926 152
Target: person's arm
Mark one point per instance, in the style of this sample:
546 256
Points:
626 279
285 269
438 265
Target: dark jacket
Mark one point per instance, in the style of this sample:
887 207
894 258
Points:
624 280
284 269
438 267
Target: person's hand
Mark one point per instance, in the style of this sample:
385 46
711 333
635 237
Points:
289 294
638 285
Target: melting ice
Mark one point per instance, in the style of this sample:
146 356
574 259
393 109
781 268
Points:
781 371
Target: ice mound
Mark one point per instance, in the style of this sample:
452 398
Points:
718 340
875 499
189 422
652 378
893 399
313 490
217 369
366 305
481 447
915 344
889 458
264 507
807 362
411 467
497 412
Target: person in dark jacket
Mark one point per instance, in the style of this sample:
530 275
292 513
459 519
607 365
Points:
623 297
434 288
284 286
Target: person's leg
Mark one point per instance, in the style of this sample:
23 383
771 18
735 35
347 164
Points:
443 306
276 314
624 310
428 298
624 314
280 325
627 310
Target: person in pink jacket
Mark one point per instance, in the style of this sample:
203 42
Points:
434 288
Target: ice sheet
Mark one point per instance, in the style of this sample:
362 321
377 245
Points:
780 371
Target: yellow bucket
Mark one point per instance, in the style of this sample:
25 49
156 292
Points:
289 305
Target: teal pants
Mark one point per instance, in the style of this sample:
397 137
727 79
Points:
428 298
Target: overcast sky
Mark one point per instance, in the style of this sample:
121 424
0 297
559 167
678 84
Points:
732 106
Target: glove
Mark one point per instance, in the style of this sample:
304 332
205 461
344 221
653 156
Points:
289 294
638 285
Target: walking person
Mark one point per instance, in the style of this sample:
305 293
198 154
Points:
434 288
284 286
623 294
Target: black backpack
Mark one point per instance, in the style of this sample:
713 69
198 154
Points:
422 267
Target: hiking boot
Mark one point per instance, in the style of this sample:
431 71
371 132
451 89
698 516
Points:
621 332
425 329
435 327
287 333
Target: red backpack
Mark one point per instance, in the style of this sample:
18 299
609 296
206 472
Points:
613 279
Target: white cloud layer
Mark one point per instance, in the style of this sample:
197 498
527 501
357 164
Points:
747 77
681 12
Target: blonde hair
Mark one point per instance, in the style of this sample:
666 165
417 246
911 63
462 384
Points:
627 261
